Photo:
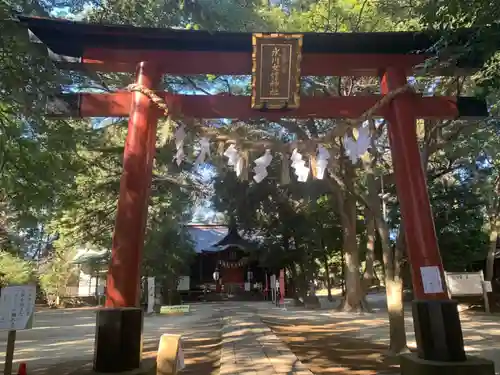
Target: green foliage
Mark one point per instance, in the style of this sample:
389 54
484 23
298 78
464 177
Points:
459 224
37 155
56 267
169 251
227 15
15 270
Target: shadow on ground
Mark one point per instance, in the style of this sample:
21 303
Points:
326 350
201 346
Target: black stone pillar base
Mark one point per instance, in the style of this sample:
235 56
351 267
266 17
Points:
438 331
411 364
118 340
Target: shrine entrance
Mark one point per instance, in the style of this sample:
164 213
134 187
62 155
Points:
233 258
277 63
232 273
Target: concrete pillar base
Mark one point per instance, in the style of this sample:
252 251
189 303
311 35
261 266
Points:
438 331
118 340
411 364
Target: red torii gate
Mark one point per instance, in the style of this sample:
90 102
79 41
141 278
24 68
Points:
153 52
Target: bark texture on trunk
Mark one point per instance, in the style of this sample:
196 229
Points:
354 298
296 294
303 286
369 274
490 260
391 257
394 292
397 329
327 275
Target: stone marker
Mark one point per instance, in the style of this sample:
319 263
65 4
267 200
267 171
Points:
170 359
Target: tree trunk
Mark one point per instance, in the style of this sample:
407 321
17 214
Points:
395 308
342 265
303 285
354 298
490 260
394 292
327 275
369 274
391 259
296 294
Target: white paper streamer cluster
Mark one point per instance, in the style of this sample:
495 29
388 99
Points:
357 147
234 159
261 165
204 151
321 161
180 135
299 166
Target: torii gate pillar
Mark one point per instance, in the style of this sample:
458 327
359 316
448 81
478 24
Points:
123 280
118 344
437 324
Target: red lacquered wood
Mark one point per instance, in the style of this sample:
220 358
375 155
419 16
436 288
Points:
123 281
411 186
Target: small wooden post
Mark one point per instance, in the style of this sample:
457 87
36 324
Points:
485 293
170 359
9 352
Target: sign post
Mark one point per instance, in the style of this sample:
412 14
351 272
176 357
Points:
9 353
17 306
266 288
273 287
277 291
151 295
468 284
282 287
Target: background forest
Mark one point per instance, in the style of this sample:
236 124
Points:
59 179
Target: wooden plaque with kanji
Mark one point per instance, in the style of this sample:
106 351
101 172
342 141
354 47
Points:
276 71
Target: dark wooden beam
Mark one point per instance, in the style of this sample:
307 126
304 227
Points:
238 107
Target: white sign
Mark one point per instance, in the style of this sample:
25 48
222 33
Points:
465 283
151 294
488 287
180 358
247 287
184 283
272 281
431 280
17 306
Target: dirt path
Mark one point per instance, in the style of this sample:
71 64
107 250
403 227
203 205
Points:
201 345
326 350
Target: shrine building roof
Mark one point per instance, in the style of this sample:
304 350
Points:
214 238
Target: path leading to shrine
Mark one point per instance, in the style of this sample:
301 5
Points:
330 342
62 341
242 338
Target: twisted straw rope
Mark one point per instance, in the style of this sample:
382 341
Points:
338 131
160 103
